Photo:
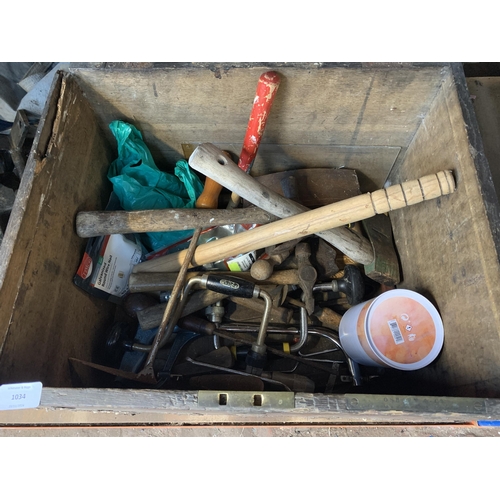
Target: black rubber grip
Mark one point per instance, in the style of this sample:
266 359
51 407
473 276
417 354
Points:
228 285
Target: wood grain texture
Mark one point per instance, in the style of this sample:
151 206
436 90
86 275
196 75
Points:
113 406
89 224
313 187
344 106
485 96
44 317
371 163
448 252
212 162
310 222
239 431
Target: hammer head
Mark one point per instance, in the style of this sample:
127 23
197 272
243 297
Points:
307 274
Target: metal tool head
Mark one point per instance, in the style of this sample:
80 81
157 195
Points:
144 377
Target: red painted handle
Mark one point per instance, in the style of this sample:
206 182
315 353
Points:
264 96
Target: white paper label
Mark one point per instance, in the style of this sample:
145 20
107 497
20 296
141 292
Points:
20 396
120 256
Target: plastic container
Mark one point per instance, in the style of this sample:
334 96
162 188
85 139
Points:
398 329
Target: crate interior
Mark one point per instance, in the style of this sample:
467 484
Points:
387 123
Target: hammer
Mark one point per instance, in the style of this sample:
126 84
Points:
208 160
315 221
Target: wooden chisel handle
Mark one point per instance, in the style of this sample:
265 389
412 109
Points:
320 219
209 198
267 86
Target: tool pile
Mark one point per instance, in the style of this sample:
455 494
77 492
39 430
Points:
322 247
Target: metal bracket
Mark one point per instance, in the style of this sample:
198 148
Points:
247 399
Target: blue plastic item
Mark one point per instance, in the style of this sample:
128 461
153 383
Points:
488 423
141 185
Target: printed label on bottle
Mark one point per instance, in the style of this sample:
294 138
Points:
242 263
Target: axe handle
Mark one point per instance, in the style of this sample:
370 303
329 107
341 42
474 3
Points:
209 160
320 219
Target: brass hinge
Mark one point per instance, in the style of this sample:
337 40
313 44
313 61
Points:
247 399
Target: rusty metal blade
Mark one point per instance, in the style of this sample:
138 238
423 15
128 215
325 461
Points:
138 377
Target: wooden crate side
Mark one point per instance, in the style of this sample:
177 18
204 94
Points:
48 318
358 118
17 242
485 96
136 407
448 250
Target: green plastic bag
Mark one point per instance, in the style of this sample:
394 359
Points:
140 185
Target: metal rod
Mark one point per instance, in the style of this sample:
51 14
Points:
230 370
303 330
261 336
171 304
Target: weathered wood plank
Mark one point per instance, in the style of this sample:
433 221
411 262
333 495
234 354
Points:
448 251
371 163
485 96
323 431
113 406
44 318
347 107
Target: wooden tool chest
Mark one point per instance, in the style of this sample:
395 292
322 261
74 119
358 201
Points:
389 122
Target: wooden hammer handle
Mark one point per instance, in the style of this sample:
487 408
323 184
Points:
209 198
89 224
209 160
311 222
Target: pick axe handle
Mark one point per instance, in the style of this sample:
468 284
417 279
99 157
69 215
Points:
209 160
311 222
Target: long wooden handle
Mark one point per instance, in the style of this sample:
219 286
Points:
267 86
209 160
89 224
317 220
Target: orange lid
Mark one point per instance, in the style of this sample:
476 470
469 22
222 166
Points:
404 329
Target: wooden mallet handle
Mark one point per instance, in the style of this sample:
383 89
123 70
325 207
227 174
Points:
101 223
317 220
